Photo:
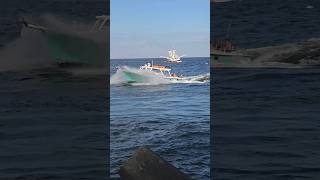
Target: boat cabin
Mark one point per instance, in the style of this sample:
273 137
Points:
225 45
164 70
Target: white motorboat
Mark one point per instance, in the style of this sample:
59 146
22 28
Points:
148 73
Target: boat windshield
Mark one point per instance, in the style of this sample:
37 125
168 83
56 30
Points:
157 68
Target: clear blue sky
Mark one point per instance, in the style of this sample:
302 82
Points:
149 28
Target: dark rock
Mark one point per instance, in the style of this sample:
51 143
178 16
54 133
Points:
146 165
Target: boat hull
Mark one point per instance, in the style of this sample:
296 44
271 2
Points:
224 59
74 49
135 77
132 77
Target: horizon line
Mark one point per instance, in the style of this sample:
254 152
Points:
160 57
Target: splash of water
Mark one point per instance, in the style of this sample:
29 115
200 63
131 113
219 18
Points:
26 52
152 78
30 50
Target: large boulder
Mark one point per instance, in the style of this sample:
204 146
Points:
144 164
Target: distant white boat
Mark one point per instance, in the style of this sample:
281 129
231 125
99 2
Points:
173 57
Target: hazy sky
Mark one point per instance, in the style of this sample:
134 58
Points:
149 28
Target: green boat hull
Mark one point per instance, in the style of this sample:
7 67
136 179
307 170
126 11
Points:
74 49
131 77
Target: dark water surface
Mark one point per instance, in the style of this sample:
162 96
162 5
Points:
266 123
266 23
52 125
53 121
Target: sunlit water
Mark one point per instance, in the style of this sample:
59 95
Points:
171 119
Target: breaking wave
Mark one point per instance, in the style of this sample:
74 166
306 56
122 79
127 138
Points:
152 78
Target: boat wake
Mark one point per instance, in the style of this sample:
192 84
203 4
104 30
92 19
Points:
291 55
151 78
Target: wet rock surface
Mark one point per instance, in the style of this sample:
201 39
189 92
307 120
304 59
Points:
144 164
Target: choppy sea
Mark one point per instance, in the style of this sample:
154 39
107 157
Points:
172 119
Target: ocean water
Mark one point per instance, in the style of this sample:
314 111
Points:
265 23
171 119
52 125
265 121
53 120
